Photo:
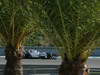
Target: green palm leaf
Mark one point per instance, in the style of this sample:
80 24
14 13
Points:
16 20
70 24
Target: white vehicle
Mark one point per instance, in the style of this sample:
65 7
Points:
34 53
43 55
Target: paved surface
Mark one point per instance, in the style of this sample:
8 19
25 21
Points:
92 62
49 67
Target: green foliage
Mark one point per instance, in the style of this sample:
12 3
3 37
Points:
70 24
34 39
16 20
37 38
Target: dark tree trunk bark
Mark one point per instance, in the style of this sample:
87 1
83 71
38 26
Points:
73 68
13 58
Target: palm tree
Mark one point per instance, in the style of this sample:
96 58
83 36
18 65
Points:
72 25
16 23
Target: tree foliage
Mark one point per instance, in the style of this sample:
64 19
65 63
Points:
70 24
16 20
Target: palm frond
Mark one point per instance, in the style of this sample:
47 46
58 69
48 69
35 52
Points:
16 20
71 24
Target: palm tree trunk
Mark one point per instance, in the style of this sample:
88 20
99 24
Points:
73 68
13 58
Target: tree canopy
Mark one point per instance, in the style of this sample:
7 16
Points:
16 20
70 24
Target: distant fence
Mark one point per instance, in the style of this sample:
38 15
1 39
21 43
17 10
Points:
40 48
2 51
48 49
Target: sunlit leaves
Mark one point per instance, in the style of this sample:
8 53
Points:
16 20
71 24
